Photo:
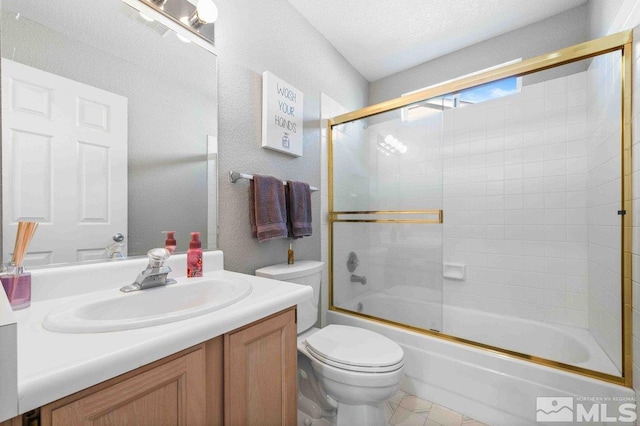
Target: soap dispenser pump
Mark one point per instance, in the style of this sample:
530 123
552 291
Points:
170 241
194 256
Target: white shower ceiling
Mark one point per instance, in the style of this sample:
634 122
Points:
382 37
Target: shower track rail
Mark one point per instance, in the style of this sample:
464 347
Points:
388 216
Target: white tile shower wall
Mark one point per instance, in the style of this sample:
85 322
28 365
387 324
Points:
603 201
347 238
515 203
350 167
411 180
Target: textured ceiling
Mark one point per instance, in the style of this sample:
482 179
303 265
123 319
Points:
382 37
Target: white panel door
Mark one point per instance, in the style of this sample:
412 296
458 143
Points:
64 164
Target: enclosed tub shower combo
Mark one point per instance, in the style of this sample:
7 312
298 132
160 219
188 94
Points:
485 225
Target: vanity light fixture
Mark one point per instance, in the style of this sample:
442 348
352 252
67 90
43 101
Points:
197 17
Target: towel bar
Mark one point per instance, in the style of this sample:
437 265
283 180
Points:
236 176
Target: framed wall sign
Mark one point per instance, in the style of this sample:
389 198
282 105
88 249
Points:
281 115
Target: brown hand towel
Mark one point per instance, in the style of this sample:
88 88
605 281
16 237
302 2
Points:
298 209
267 209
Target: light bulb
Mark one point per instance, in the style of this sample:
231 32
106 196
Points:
207 11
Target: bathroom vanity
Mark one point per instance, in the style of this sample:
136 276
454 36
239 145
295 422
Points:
205 384
235 365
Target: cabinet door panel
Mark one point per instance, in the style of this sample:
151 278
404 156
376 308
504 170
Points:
170 394
260 373
16 421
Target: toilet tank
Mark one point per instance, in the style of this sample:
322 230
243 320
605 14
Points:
303 272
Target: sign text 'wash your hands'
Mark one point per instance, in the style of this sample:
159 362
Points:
281 115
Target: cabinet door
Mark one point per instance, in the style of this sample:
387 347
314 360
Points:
16 421
170 394
260 372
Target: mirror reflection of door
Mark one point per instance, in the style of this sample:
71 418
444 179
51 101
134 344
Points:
64 165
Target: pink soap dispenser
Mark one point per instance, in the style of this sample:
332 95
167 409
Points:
170 242
194 256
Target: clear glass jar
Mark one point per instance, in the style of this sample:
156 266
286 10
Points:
17 284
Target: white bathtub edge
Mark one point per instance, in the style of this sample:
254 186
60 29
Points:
492 388
454 401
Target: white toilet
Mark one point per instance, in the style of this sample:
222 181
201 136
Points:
344 373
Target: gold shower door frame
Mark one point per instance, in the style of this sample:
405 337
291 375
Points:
616 42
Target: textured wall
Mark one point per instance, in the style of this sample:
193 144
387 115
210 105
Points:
271 35
562 30
601 14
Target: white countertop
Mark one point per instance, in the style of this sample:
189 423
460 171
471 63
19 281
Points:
8 360
53 365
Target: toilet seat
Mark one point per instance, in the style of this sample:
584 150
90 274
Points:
355 349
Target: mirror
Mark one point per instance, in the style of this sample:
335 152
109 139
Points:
109 126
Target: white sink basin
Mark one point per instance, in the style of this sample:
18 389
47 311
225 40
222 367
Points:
115 311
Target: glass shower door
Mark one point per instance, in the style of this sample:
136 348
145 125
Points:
532 163
386 215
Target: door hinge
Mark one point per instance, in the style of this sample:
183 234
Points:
622 212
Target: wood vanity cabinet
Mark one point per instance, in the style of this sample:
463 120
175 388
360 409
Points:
260 368
171 393
245 377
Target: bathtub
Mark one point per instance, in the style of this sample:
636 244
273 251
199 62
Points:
486 385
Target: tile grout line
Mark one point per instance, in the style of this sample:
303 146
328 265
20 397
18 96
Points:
404 409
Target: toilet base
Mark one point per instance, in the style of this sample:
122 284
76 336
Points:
348 415
370 415
305 420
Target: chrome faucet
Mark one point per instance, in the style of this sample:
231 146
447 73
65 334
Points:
358 279
154 275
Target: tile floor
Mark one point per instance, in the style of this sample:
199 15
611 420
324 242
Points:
404 409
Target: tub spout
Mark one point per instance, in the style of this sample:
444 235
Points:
358 279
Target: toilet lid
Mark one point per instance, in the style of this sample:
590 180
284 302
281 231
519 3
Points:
355 349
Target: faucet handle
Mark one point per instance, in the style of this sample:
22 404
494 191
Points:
115 251
157 257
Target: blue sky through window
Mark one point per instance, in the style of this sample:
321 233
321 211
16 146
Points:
493 90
